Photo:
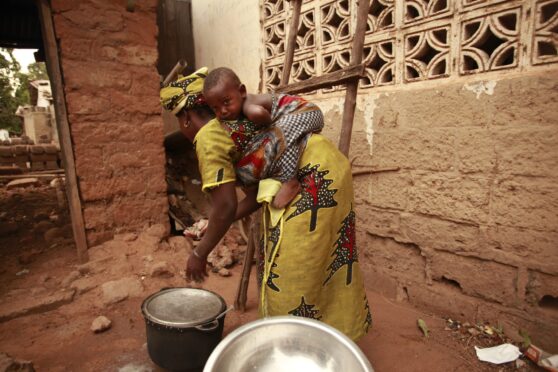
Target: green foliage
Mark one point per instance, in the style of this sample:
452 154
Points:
14 88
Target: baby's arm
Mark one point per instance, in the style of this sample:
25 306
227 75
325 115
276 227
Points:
257 114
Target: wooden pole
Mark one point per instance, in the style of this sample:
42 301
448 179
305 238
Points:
291 43
242 293
55 75
352 87
177 69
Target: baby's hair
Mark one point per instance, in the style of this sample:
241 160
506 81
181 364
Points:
219 74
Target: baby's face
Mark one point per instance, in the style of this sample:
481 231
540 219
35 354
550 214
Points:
226 99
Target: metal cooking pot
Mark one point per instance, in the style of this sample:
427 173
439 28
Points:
287 344
183 326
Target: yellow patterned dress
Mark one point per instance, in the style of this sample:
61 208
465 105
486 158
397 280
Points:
309 259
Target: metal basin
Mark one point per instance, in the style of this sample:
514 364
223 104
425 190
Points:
287 344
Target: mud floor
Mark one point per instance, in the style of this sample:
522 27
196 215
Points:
48 301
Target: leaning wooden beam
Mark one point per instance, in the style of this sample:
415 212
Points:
325 81
352 87
55 75
372 171
253 239
291 42
177 69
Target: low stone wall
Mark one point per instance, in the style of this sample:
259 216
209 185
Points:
108 58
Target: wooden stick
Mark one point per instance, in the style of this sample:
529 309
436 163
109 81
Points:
325 81
377 170
242 293
21 176
291 42
55 74
352 87
177 69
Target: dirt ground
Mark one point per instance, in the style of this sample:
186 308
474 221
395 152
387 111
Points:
48 301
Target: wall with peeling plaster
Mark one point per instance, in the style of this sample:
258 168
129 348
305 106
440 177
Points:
464 218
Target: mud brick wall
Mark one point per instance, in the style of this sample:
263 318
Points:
108 60
468 225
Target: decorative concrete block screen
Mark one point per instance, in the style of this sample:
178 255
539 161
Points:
413 40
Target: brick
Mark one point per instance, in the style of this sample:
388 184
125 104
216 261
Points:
539 286
442 299
97 216
475 150
123 103
399 260
476 277
88 17
526 202
81 103
389 190
534 249
528 152
103 189
440 234
98 76
75 48
451 196
414 149
380 222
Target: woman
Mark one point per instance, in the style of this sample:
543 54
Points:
308 254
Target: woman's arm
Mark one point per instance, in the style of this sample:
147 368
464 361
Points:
223 210
249 204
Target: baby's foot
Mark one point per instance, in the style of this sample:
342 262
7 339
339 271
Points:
286 194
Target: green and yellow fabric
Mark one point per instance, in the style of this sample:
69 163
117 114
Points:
185 92
309 260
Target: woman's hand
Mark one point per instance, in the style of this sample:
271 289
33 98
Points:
196 268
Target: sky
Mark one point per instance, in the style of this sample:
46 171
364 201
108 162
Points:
24 57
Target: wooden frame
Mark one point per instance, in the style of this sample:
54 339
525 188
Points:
55 74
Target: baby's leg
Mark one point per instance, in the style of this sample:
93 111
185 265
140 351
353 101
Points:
286 193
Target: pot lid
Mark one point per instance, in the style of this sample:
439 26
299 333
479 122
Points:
183 307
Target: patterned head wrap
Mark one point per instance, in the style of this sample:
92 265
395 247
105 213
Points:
186 92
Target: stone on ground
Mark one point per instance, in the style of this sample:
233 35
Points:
119 290
9 364
162 270
33 305
100 324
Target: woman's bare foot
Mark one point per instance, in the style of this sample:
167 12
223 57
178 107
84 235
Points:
286 194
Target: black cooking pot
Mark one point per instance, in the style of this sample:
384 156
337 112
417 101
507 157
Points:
183 326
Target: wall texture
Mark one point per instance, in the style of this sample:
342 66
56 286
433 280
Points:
227 33
108 57
458 108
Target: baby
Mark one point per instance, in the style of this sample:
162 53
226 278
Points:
275 152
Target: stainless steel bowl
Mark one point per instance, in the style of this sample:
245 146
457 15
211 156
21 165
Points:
287 344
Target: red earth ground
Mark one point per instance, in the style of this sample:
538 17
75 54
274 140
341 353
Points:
60 339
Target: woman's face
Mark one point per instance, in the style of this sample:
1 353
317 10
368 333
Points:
226 99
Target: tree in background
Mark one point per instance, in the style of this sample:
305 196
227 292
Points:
14 88
9 67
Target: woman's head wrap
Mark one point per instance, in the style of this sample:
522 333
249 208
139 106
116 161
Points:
186 92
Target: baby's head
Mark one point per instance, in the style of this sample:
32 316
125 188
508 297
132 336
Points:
224 93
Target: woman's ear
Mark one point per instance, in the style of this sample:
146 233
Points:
242 89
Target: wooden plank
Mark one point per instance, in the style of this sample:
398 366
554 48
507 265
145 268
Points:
347 74
352 87
55 74
291 42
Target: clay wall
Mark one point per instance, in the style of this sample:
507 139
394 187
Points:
458 113
227 33
108 60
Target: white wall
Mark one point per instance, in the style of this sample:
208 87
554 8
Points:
227 33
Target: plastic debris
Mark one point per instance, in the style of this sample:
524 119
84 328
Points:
498 354
422 325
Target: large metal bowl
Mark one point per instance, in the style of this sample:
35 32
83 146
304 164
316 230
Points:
287 344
